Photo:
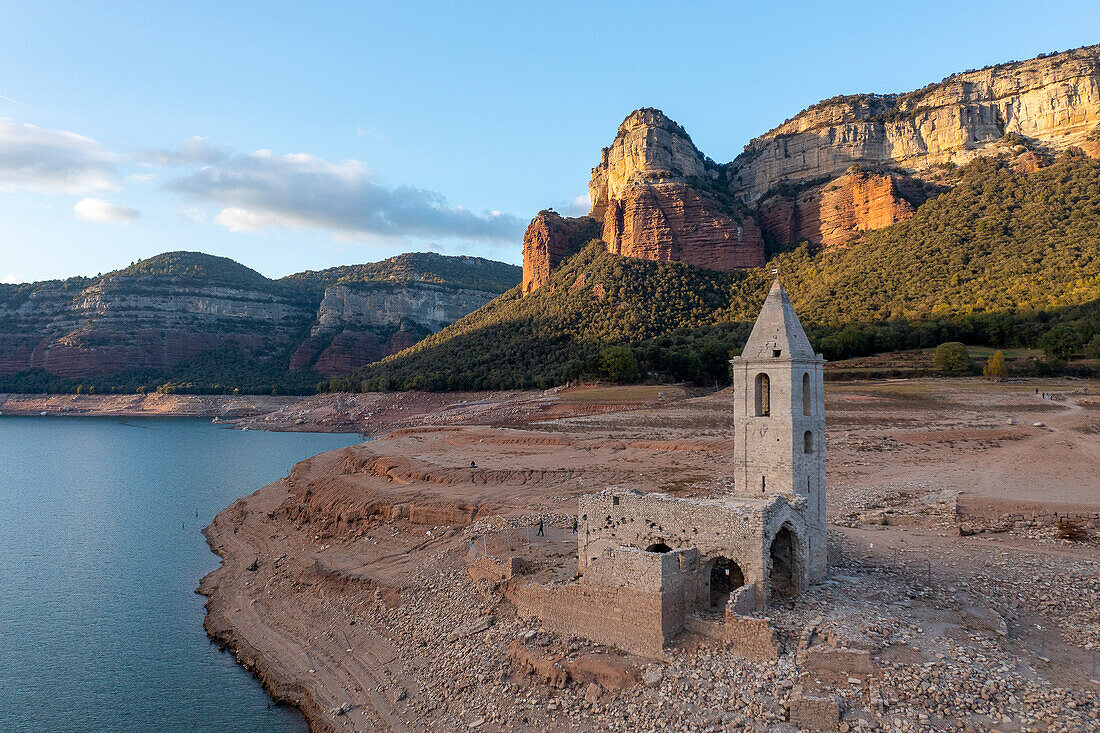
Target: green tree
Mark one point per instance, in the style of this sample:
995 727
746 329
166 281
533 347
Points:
1061 341
951 357
994 369
1092 348
617 364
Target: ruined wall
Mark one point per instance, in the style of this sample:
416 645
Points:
612 519
673 575
751 637
631 599
739 529
625 618
974 513
815 712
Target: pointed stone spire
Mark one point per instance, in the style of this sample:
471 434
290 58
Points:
778 333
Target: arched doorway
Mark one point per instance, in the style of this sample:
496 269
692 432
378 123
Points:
783 578
725 577
660 547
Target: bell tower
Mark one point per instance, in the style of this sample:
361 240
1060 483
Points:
779 418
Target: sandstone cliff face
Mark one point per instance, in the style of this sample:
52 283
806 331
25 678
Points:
355 324
648 144
673 222
119 323
1053 101
125 321
549 239
383 304
656 197
831 214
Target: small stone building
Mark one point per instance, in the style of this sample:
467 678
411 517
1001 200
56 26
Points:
652 565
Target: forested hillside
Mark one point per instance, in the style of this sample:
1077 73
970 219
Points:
193 322
999 260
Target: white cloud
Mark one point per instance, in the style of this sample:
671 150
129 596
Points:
11 278
576 206
192 214
262 189
193 151
104 212
53 161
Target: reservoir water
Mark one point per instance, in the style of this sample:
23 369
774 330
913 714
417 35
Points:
100 553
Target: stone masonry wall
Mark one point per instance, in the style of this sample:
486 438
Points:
612 519
975 514
626 618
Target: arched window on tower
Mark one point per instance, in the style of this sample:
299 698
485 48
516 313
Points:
808 442
763 395
806 396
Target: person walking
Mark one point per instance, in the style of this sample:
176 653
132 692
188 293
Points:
574 525
540 532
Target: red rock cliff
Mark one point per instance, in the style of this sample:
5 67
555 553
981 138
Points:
659 198
654 196
831 213
673 222
549 239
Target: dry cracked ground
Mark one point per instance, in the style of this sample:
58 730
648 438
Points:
345 586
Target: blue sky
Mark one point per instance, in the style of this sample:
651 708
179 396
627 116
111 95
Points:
294 136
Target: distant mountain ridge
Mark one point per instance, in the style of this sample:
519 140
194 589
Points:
838 169
209 323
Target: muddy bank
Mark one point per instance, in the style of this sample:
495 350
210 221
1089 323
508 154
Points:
137 405
370 414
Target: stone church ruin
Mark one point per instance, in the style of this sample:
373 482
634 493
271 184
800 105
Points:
652 565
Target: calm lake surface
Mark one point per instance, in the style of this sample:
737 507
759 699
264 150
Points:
100 554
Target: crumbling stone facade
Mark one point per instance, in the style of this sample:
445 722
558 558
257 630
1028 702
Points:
652 565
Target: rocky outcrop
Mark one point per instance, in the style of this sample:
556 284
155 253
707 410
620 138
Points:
674 222
549 239
833 213
648 145
386 304
122 322
1052 101
658 198
350 350
358 323
654 196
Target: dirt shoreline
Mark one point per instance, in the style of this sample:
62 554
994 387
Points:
370 414
345 587
141 405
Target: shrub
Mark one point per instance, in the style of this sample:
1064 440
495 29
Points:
1061 341
617 364
952 357
1092 348
994 369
